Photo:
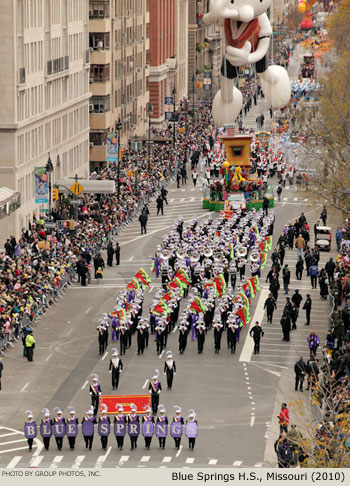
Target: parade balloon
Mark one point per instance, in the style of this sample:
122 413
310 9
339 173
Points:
191 430
104 428
59 429
176 430
161 429
71 429
30 430
147 429
251 46
46 429
120 429
134 429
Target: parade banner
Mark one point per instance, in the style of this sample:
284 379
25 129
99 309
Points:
104 428
134 429
46 429
119 429
141 402
161 429
176 430
59 429
147 429
112 148
88 428
71 429
30 430
41 185
191 430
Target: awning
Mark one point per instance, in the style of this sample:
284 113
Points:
6 194
89 187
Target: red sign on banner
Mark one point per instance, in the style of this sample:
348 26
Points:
141 401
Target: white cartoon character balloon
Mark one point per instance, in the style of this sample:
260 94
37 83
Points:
247 35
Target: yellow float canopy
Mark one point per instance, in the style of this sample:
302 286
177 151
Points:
237 149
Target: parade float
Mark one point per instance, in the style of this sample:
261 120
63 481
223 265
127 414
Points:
240 189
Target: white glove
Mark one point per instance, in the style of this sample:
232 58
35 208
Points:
238 57
110 371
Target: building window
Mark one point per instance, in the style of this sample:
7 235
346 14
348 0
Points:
98 137
237 151
99 41
99 10
99 104
99 73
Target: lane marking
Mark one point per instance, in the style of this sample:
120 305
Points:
12 442
70 331
78 461
36 461
8 434
190 460
179 451
104 356
88 310
49 356
84 385
145 458
123 458
14 462
131 259
252 420
102 459
258 464
167 459
213 461
25 386
145 384
56 461
15 449
237 463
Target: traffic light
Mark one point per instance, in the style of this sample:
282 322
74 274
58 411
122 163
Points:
55 194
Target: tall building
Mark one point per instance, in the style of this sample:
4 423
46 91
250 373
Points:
163 62
44 92
119 52
181 49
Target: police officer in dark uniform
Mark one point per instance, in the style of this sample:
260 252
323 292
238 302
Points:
256 333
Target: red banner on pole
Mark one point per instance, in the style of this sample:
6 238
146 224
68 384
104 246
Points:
141 401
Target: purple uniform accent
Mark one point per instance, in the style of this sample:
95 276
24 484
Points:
157 266
59 429
88 428
104 428
30 430
147 429
120 428
46 429
176 429
71 428
133 429
193 327
161 429
191 430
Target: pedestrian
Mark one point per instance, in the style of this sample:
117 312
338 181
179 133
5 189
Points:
274 287
162 419
160 205
307 307
178 422
294 312
120 423
95 392
313 343
178 178
323 215
183 333
284 455
299 267
88 428
1 370
313 272
98 263
330 267
194 177
300 245
191 429
141 341
283 418
265 205
218 327
270 306
99 275
279 191
323 282
104 427
155 388
72 428
256 333
281 252
84 270
110 253
115 367
143 222
117 253
200 336
123 339
297 298
169 369
30 345
163 193
46 428
286 278
59 425
339 237
30 429
285 323
300 373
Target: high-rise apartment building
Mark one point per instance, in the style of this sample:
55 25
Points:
181 49
44 93
119 52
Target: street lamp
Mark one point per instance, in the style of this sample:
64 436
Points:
119 127
49 170
149 111
174 119
193 81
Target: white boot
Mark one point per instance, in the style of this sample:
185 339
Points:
227 103
275 84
